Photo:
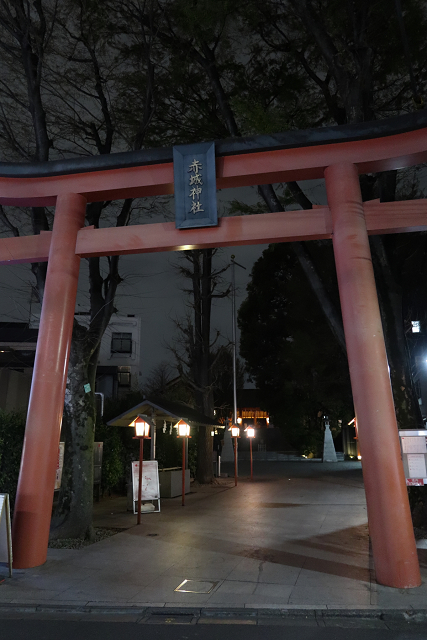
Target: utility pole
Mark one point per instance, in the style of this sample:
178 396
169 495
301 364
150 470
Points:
234 332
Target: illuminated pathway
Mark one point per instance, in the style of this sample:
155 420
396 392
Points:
295 537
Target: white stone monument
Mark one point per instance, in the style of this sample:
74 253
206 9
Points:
329 454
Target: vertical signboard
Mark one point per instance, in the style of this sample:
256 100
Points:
150 489
414 456
195 185
5 532
59 466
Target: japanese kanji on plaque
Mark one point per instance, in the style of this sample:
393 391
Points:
195 185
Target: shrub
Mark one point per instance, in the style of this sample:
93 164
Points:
12 428
113 458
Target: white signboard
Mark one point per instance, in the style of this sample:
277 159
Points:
417 465
414 456
59 466
5 532
414 444
150 488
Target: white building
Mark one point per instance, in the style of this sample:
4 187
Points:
118 364
119 356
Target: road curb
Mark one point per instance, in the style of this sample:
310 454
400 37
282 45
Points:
176 615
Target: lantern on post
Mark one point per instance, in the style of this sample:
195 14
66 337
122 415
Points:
142 426
184 433
354 421
235 433
250 432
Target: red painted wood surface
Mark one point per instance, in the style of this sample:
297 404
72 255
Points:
288 226
34 497
389 516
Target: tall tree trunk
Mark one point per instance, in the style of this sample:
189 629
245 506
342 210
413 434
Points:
204 473
205 441
73 515
204 399
198 363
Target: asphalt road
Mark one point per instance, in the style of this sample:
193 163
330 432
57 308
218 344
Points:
26 629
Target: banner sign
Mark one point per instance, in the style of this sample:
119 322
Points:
195 185
5 532
416 482
150 487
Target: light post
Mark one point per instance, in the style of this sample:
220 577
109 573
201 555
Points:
250 432
354 421
234 333
184 433
235 433
142 432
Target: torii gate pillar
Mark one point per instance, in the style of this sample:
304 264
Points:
389 517
33 507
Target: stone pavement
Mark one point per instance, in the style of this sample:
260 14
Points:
293 539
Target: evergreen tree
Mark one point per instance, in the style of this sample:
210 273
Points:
290 351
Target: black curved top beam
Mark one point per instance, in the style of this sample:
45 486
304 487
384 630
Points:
231 146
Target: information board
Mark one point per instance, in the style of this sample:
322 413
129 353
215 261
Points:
5 532
414 456
416 465
150 489
414 444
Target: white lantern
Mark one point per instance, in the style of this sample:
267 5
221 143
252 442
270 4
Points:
183 429
142 427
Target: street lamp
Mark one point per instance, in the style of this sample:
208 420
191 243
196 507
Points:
184 433
142 432
235 433
234 332
354 421
250 432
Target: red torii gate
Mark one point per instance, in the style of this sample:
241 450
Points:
338 154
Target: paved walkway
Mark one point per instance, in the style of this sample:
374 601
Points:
295 537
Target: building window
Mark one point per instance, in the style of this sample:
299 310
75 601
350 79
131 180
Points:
123 376
121 343
416 326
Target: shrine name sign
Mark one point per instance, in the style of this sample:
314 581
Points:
195 185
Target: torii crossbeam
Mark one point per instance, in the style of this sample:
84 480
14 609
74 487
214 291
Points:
340 155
